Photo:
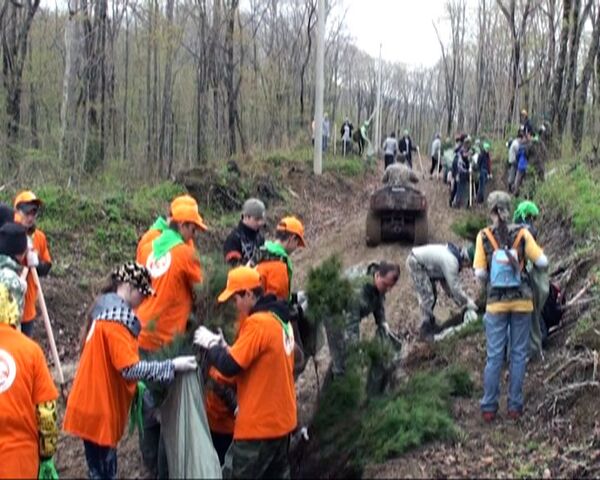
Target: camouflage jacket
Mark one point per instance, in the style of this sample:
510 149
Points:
9 276
398 174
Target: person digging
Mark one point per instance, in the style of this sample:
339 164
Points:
432 264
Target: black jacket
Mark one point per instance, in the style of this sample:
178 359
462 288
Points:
406 147
242 245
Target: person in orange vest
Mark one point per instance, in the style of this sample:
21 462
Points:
262 362
109 368
160 224
27 207
28 432
176 274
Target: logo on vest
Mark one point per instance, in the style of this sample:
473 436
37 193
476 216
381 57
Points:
288 341
8 370
158 268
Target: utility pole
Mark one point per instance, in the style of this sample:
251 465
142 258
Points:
319 85
378 108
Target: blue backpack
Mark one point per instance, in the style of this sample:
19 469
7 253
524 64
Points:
505 267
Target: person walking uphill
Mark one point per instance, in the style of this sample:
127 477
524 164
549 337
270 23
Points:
500 253
262 362
176 274
109 368
390 149
243 243
406 148
28 433
525 215
27 206
430 264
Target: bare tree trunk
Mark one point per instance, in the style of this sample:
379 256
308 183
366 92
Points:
557 87
230 67
125 149
66 152
16 24
167 115
581 96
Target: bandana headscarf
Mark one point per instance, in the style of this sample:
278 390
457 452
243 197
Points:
135 274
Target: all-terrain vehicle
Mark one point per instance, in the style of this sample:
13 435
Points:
397 212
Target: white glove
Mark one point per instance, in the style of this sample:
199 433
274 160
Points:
222 341
32 258
490 176
185 363
386 328
471 305
205 338
303 300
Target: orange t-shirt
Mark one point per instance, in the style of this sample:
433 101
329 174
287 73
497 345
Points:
141 253
40 244
275 279
25 381
265 387
220 417
165 314
98 405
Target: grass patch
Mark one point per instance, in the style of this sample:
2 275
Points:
573 192
469 225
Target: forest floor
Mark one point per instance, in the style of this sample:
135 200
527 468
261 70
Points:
565 442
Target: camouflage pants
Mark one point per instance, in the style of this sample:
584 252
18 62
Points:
258 459
426 289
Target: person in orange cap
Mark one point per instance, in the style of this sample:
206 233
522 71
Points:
275 265
176 274
262 362
27 206
160 224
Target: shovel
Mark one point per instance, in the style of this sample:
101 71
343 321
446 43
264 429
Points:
48 325
420 162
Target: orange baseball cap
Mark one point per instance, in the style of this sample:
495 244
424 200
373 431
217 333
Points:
240 279
183 200
27 196
292 225
184 212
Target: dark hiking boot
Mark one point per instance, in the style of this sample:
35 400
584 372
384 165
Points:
488 417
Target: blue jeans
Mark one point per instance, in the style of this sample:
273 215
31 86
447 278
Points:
483 176
496 332
325 143
101 461
27 329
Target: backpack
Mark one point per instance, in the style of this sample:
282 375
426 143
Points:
505 267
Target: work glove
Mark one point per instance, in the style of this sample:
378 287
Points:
222 341
204 338
386 328
185 363
47 470
471 305
302 300
32 258
490 176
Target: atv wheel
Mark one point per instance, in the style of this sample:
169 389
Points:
373 229
421 229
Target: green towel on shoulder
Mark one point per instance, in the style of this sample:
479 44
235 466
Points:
168 239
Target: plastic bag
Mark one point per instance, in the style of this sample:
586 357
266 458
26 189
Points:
185 430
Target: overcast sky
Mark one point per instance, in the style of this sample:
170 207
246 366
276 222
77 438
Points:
403 27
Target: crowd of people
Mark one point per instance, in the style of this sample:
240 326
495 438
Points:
251 396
